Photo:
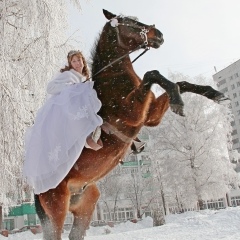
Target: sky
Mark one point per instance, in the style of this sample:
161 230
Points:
203 225
198 35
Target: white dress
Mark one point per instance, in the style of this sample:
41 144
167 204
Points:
61 127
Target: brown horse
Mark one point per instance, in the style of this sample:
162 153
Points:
127 105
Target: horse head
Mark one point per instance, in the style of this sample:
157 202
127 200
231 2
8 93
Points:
120 36
130 33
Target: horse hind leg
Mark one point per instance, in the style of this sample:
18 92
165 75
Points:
54 206
172 89
82 206
206 91
44 219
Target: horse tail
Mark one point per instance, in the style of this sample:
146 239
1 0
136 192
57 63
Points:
40 211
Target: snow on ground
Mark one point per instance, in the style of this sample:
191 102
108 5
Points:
204 225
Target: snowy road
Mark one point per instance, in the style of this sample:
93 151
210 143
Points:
204 225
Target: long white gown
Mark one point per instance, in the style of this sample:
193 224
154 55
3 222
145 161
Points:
61 127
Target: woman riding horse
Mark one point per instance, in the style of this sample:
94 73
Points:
128 104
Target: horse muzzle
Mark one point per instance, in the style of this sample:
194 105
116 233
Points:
155 43
155 38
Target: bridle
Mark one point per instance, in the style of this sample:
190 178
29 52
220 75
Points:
143 33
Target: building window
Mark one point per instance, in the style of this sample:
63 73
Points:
235 141
234 95
235 201
236 75
224 90
222 82
134 170
214 204
231 78
236 104
233 86
133 158
119 214
234 132
233 123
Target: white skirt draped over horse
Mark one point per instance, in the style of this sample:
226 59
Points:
58 136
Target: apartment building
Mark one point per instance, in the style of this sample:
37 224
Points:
228 82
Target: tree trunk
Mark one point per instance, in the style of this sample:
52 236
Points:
164 202
139 214
158 218
200 204
110 217
1 218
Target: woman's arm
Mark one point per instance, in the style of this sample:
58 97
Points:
60 82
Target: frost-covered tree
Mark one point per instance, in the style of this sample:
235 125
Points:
159 206
33 43
139 191
194 150
111 187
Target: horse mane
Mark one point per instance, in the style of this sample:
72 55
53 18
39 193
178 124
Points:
93 53
130 17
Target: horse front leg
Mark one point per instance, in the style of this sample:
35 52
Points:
206 91
82 206
172 90
156 111
136 107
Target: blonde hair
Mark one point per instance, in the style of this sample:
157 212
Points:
71 54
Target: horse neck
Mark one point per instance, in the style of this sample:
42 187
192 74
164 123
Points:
108 50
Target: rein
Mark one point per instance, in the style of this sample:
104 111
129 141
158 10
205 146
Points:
114 23
118 59
146 49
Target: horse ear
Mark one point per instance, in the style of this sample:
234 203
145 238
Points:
108 15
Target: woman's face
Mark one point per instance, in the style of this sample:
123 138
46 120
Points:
77 63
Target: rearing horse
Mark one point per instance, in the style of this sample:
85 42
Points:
127 105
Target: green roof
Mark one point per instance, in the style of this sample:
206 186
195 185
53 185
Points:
135 163
130 164
25 208
146 175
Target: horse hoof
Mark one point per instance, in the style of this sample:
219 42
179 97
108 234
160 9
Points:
222 98
175 96
178 109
